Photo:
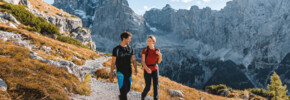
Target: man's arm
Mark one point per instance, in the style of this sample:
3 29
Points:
112 68
134 64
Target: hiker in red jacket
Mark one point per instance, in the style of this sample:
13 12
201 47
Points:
151 57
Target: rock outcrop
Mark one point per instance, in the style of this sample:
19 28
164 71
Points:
66 23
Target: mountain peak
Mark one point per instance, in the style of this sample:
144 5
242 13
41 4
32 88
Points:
167 6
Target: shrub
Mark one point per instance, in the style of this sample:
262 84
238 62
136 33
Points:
217 89
74 16
87 77
102 73
260 92
108 54
70 40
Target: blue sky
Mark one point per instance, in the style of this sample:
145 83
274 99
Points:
140 6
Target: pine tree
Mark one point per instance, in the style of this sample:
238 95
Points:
277 89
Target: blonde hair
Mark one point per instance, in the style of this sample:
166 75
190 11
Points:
153 38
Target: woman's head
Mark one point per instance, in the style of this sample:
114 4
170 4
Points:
151 40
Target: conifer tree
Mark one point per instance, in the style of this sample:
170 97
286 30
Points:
276 88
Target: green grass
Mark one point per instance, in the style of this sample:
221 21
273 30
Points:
71 40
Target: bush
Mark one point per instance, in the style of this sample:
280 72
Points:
87 78
108 54
102 73
30 28
70 40
217 89
37 24
260 92
73 16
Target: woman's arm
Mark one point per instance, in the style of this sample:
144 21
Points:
159 56
144 65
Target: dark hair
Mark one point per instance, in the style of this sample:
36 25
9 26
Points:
125 35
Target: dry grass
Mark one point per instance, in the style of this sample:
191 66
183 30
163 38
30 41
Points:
47 8
59 50
31 79
4 95
165 84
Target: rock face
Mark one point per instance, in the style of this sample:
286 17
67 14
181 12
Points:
247 39
107 19
5 17
83 34
66 24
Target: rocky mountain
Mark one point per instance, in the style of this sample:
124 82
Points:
107 19
250 33
239 45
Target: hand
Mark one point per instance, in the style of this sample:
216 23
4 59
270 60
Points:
148 70
156 67
136 71
158 52
111 77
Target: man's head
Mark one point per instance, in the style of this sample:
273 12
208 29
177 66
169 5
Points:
126 37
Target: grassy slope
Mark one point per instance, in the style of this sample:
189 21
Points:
31 79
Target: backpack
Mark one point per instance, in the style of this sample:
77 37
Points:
146 53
